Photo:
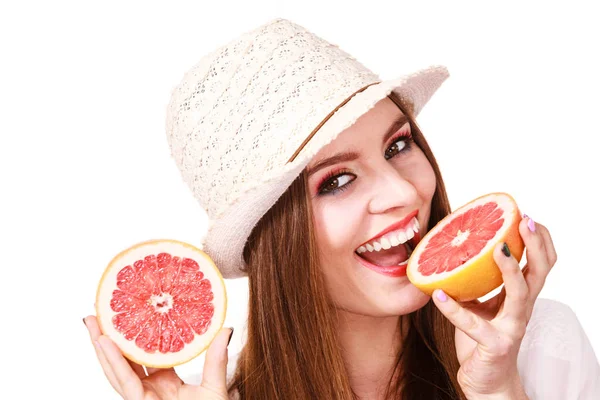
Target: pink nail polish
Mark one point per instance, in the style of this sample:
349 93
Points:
531 225
442 296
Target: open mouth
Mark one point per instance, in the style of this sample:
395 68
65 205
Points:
390 252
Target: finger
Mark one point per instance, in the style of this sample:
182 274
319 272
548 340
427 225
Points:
92 324
214 376
472 325
480 309
470 303
489 308
538 266
153 370
129 381
548 243
94 331
516 298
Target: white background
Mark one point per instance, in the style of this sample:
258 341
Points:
86 172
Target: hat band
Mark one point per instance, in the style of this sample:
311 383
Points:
324 121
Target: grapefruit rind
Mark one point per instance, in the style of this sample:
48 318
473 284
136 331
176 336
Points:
107 284
480 274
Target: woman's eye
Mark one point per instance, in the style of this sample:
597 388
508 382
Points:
395 148
336 183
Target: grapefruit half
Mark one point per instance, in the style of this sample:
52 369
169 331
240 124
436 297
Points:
162 302
456 255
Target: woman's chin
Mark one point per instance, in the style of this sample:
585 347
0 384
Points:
405 301
376 304
378 294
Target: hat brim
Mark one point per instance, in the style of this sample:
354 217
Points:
226 238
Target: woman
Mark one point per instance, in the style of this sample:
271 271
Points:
300 155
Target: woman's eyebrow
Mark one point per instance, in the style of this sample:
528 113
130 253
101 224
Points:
340 157
398 123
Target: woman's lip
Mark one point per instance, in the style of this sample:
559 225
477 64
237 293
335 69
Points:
395 226
392 270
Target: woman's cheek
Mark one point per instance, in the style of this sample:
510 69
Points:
335 225
422 177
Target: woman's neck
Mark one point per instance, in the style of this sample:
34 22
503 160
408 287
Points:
370 349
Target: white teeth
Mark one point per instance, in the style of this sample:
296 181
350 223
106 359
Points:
392 240
385 244
402 236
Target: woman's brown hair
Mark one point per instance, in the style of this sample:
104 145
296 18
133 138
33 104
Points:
292 351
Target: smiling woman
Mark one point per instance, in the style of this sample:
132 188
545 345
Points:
388 185
321 209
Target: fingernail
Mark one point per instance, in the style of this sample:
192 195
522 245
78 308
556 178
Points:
505 250
525 215
442 296
230 336
531 225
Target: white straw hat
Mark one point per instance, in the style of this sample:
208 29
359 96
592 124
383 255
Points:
245 121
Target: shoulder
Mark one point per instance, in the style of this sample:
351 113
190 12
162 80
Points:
553 329
556 359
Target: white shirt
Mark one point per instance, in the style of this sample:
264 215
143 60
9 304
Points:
556 360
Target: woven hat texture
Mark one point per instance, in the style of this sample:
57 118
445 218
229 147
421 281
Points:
238 122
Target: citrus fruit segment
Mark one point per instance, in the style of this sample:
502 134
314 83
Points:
162 302
456 255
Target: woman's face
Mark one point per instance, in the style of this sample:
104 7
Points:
367 188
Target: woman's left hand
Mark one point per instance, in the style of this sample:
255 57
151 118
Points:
488 335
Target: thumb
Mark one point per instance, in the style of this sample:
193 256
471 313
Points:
214 377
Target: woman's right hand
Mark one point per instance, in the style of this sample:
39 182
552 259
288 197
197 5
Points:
132 383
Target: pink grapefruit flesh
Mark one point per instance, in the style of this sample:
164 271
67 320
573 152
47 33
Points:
162 302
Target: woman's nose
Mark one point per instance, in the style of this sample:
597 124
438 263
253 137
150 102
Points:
391 190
